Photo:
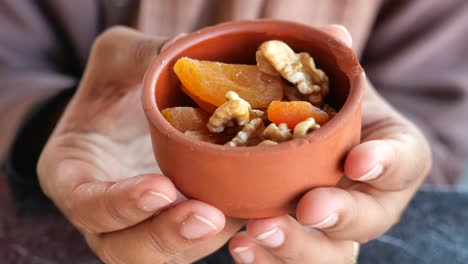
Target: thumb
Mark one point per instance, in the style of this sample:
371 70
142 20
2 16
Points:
117 205
121 55
339 32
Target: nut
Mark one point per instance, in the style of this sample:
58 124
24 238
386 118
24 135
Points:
247 132
305 127
329 110
263 65
316 99
256 114
292 94
298 68
267 143
235 108
277 133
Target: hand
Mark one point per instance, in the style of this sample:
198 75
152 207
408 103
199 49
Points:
383 173
99 170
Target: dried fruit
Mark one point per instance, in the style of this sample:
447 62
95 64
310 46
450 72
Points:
295 112
209 82
203 105
233 97
186 118
202 135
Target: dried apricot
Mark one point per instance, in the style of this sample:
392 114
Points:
215 138
295 112
203 105
203 135
186 118
209 82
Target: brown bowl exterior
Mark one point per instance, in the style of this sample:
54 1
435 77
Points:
254 182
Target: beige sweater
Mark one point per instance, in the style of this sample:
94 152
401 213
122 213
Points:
413 51
165 18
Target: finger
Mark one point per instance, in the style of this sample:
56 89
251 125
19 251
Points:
359 214
118 205
207 246
394 153
340 32
289 242
388 164
171 41
160 239
121 51
245 251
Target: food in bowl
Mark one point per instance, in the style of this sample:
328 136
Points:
281 98
252 182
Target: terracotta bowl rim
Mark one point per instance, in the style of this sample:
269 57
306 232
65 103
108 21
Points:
354 73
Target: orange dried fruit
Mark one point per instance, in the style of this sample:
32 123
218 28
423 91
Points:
215 138
186 118
295 112
203 135
209 82
203 105
192 122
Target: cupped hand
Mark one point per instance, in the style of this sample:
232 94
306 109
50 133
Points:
98 166
382 175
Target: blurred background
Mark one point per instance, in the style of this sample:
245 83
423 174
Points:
35 232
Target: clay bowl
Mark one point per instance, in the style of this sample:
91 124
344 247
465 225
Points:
254 182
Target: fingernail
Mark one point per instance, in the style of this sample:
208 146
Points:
152 201
346 31
244 254
372 174
273 238
196 226
330 221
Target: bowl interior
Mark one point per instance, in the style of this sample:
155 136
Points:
239 46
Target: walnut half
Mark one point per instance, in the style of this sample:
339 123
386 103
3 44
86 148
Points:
297 68
247 132
305 127
235 109
267 142
278 133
